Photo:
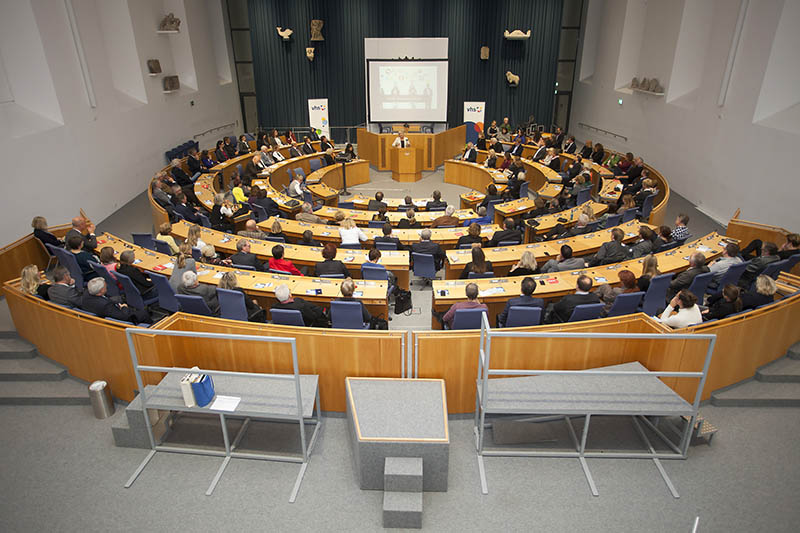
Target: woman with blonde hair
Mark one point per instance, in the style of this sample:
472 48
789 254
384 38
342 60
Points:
763 293
209 256
164 234
526 266
254 311
31 282
350 233
39 225
589 212
193 237
276 231
627 203
650 266
182 263
491 159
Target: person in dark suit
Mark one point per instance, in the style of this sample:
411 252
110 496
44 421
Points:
244 257
39 225
307 239
313 315
437 202
470 153
497 146
141 280
517 148
426 246
221 216
377 203
478 265
612 251
769 254
314 135
598 154
697 266
330 265
491 194
480 144
251 170
269 205
387 237
308 148
63 290
347 288
82 257
572 172
410 222
634 171
527 288
220 153
85 231
646 244
570 147
473 236
558 138
243 147
724 303
192 287
194 163
324 144
762 293
508 233
586 151
95 301
540 152
229 147
294 151
562 310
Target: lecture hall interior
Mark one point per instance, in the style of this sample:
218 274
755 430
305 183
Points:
269 263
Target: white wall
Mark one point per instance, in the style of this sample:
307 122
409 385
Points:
716 157
101 158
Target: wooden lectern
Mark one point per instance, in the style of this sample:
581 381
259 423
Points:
406 163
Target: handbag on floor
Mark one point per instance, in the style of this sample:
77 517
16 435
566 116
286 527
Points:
378 322
402 301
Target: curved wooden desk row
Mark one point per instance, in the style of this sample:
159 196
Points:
507 256
494 292
395 261
446 237
261 285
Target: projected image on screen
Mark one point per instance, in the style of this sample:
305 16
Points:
409 91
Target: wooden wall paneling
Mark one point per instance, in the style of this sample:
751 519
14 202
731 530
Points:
25 251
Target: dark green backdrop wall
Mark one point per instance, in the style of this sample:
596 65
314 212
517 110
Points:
285 79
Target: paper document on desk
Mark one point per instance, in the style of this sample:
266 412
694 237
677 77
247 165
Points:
492 291
225 403
703 249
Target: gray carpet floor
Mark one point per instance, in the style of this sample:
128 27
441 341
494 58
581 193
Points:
61 471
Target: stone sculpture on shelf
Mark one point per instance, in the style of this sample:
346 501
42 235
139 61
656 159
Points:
171 83
154 66
644 84
635 83
285 33
310 53
513 79
170 23
516 35
484 53
316 30
659 88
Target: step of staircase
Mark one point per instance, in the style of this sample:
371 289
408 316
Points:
63 392
402 509
12 347
129 425
784 370
35 369
794 351
758 394
402 474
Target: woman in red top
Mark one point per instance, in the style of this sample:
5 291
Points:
277 262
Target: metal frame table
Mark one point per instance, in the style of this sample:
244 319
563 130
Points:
263 396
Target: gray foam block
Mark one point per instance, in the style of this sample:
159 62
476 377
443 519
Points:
402 474
402 509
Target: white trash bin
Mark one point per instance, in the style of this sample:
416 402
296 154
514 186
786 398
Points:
100 396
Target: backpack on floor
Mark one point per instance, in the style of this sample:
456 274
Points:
402 301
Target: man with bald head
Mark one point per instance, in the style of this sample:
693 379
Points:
251 231
85 231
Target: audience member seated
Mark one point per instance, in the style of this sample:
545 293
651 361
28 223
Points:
63 290
688 313
347 289
562 310
183 262
563 262
580 184
294 150
540 208
313 315
570 147
296 188
109 261
85 231
162 194
472 237
39 226
514 185
541 151
447 219
307 147
572 172
242 147
251 231
436 202
140 279
598 154
471 291
697 266
626 202
515 167
31 282
763 293
254 311
410 222
209 256
380 216
219 152
194 163
252 169
769 254
330 265
426 246
491 159
506 162
508 233
492 130
724 303
269 205
608 294
221 214
491 195
165 234
645 245
470 153
612 251
527 288
649 188
730 257
276 231
664 236
478 265
244 257
623 165
377 203
374 257
95 301
387 237
229 147
277 262
482 217
681 232
634 172
75 246
787 249
526 266
192 287
350 233
185 210
307 239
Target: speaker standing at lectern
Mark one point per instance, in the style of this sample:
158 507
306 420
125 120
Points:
401 141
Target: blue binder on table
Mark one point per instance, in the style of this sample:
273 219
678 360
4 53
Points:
203 390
